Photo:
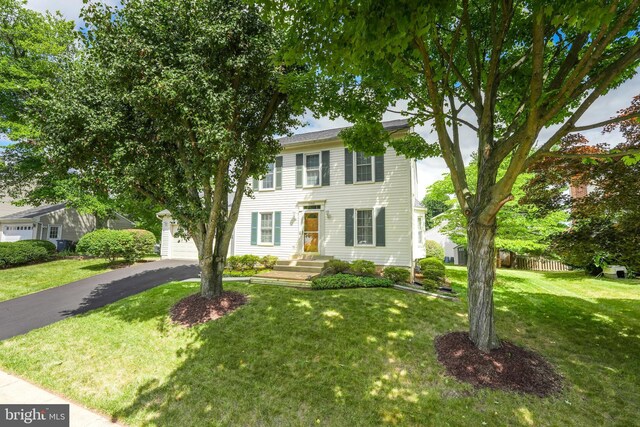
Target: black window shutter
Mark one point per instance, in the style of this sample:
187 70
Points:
348 227
279 173
380 168
299 166
348 166
326 168
380 227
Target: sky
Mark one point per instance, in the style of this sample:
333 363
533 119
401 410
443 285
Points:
429 170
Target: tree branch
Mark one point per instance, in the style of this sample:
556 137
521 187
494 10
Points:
604 123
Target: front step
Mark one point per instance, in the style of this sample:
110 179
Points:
281 282
298 269
309 257
302 263
314 266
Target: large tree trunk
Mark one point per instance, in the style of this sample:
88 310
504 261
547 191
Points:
210 274
481 265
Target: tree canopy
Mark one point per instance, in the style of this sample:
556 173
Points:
506 70
32 47
605 215
178 103
523 227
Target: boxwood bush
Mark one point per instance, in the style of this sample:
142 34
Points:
344 281
397 274
143 243
432 269
109 244
336 266
25 251
363 267
269 261
131 245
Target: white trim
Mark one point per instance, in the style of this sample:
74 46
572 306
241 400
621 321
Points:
355 168
261 181
273 228
373 228
304 170
58 237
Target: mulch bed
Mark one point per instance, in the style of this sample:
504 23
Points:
509 368
195 309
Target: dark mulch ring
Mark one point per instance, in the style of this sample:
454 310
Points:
196 309
509 368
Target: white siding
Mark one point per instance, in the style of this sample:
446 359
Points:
394 194
180 247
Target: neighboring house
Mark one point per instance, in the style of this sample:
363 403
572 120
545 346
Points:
453 253
321 200
48 222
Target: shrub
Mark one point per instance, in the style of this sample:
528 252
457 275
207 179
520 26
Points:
432 269
269 261
23 252
234 263
144 243
433 249
249 262
109 244
336 266
47 245
397 274
363 267
344 281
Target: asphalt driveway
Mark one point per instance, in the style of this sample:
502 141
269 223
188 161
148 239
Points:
21 315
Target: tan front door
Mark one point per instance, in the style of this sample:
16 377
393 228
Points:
311 231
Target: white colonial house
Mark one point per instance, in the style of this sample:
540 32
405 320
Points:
322 200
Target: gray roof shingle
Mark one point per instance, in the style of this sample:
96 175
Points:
35 212
330 134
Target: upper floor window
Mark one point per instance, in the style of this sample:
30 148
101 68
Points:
312 166
364 168
268 181
421 229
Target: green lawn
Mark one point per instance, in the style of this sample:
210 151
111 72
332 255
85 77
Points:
19 281
351 357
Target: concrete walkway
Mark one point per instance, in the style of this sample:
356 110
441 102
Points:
14 390
21 315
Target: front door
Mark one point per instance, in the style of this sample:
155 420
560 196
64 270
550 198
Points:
54 233
311 232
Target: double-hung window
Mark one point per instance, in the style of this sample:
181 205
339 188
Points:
364 168
268 181
364 227
266 228
312 166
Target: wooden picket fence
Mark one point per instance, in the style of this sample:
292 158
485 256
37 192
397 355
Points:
539 264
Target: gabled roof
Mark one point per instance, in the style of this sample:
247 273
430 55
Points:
35 212
330 134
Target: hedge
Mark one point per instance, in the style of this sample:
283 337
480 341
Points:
397 274
25 251
432 269
131 245
344 281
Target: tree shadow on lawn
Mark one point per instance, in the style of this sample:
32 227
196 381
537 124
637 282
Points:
366 357
289 357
